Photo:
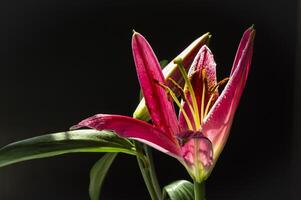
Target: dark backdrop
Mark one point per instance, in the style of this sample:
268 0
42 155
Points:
62 61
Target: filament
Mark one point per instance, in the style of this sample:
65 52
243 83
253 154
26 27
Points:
182 94
174 97
179 63
212 90
203 93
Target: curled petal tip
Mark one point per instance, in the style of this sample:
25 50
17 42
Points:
206 35
135 35
252 32
253 35
77 126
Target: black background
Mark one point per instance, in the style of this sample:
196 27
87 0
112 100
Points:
63 61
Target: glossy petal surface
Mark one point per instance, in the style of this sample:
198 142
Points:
132 128
160 107
203 61
218 122
242 45
171 71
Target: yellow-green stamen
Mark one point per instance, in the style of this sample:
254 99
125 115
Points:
182 94
203 94
179 63
212 90
174 97
198 117
180 89
208 104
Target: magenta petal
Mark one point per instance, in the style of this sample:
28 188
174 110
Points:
149 72
203 60
197 149
218 122
242 45
171 71
132 128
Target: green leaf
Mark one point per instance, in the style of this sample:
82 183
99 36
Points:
85 140
98 174
179 190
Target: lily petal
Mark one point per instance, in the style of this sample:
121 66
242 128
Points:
204 60
218 122
243 42
134 129
149 73
171 71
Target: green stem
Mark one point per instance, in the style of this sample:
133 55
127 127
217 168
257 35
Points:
199 190
152 171
144 168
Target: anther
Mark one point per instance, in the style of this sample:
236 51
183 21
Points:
203 93
220 83
204 77
179 88
212 90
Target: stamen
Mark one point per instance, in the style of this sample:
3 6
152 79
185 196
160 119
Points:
179 88
208 104
220 83
203 93
204 77
179 63
182 93
212 90
174 97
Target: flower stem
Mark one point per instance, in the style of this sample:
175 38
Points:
152 171
144 168
199 190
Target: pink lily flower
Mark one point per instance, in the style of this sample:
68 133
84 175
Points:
197 137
